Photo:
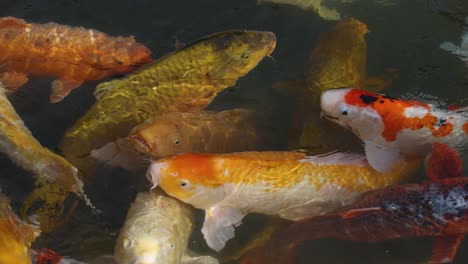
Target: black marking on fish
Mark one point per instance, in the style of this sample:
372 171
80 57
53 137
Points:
368 99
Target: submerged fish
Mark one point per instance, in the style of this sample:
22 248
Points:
157 230
73 55
52 170
391 127
315 5
462 50
288 184
195 131
188 79
338 60
15 236
437 208
201 131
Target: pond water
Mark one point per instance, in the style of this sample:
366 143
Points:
404 35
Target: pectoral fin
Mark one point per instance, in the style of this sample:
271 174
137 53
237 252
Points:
380 158
13 80
359 212
444 162
219 224
61 88
445 248
188 259
306 210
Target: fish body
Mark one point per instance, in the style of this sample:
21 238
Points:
156 230
391 127
288 184
433 209
188 79
56 175
16 237
337 60
197 131
316 5
462 50
70 54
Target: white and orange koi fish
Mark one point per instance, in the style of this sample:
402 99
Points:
392 127
288 184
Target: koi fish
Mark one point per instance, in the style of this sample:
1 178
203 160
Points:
73 55
16 237
157 230
338 59
462 50
187 79
391 127
437 208
315 5
288 184
174 133
53 171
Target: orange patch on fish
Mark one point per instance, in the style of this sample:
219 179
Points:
392 112
193 167
465 128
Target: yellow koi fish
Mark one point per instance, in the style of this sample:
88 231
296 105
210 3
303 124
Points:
52 170
15 236
288 184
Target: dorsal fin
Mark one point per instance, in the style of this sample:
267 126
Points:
12 22
104 88
267 155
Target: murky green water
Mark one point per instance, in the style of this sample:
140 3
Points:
405 35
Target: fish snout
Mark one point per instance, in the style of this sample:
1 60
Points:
331 100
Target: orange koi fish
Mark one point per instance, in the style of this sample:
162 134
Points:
288 184
437 208
73 55
390 127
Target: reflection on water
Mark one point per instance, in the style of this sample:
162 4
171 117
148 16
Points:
403 35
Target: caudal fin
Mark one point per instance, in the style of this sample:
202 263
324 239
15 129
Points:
444 162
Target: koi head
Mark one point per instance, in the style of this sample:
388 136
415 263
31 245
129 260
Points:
150 234
160 137
229 55
124 55
336 107
188 177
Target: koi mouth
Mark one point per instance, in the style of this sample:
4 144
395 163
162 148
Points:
328 116
140 143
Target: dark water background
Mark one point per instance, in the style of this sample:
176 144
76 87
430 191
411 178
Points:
404 35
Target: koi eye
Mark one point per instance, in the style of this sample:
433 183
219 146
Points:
177 142
184 183
344 110
244 56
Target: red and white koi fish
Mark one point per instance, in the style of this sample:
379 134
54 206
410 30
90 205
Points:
288 184
391 127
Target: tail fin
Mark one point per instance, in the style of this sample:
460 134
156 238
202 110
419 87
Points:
444 162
